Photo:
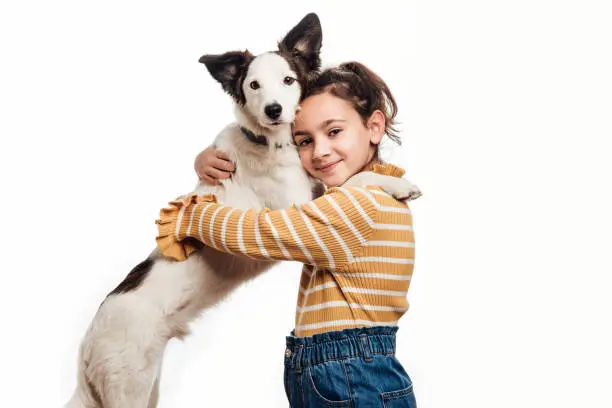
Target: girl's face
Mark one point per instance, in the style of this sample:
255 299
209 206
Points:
332 139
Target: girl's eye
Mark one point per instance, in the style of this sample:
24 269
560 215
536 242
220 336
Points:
303 142
334 132
254 85
288 80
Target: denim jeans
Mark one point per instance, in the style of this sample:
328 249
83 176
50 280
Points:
348 368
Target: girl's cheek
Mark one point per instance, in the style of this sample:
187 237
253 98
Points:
304 158
306 161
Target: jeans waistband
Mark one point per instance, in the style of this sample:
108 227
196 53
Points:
362 342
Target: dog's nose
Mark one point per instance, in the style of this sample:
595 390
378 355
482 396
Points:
273 110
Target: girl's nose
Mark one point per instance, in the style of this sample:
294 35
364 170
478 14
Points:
322 148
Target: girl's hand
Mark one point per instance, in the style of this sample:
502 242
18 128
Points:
212 165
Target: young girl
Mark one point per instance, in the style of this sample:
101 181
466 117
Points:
356 243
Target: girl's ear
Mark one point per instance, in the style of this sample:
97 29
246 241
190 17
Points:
376 126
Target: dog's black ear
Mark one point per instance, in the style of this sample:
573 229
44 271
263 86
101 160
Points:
229 69
304 42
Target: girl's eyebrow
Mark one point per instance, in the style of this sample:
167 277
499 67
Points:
323 125
328 121
300 133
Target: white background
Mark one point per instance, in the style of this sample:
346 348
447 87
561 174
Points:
506 116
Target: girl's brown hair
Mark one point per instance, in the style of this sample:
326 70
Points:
357 84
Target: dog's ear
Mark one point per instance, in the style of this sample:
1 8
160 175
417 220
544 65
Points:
229 69
304 42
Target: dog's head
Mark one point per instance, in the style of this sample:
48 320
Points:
268 86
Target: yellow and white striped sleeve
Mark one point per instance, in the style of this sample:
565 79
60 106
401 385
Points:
326 232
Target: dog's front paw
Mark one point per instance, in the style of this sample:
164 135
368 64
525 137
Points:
401 189
407 193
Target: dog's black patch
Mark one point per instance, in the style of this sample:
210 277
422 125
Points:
301 47
134 278
318 190
230 70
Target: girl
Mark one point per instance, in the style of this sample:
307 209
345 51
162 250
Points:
356 243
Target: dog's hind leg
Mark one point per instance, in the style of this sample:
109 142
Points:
154 398
123 350
139 390
85 395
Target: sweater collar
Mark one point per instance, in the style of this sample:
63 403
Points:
386 169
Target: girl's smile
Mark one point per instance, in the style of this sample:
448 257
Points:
326 168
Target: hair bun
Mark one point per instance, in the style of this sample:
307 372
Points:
355 67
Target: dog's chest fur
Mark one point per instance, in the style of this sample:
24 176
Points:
265 177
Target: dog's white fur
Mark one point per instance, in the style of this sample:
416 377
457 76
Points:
121 354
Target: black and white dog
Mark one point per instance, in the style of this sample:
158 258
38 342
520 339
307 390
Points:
120 357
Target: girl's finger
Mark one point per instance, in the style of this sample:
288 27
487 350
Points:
200 172
217 174
225 165
221 155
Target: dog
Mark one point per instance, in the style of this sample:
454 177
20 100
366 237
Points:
120 357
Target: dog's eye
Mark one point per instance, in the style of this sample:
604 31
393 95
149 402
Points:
254 85
288 80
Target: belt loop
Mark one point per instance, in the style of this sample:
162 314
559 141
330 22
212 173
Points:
298 359
367 349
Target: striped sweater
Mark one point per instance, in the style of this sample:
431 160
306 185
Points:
356 243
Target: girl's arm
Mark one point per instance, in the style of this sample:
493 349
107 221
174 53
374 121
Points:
325 232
